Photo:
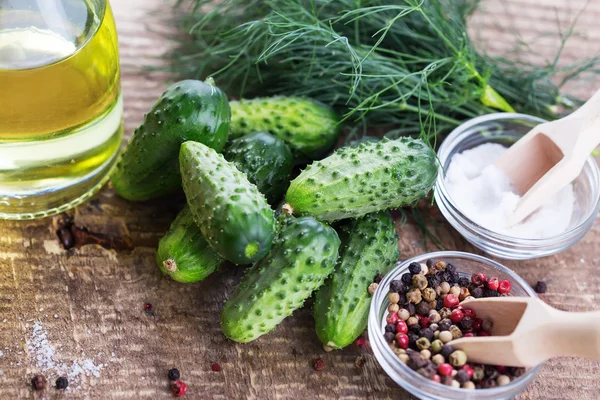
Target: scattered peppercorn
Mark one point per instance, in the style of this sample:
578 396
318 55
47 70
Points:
362 343
540 287
61 383
215 367
178 388
319 364
148 308
66 238
174 374
372 288
38 382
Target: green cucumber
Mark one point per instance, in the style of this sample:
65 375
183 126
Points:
187 110
310 128
303 255
183 253
266 160
232 214
355 181
369 246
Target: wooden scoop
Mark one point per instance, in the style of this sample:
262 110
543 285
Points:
528 332
550 156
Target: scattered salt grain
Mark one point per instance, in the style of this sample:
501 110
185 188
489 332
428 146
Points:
485 195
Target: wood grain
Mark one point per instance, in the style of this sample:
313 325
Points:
97 294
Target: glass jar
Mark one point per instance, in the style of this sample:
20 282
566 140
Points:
505 129
60 104
466 264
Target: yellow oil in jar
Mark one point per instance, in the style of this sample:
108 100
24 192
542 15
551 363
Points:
60 103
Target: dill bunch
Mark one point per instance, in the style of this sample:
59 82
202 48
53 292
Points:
406 65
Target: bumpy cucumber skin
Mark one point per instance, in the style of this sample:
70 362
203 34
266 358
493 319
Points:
353 182
234 217
183 253
303 255
187 110
266 160
369 246
310 128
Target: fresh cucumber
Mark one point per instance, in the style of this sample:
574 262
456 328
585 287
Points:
266 160
187 110
310 128
303 255
355 181
369 246
234 217
183 253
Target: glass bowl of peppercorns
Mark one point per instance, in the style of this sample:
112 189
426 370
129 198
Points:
416 312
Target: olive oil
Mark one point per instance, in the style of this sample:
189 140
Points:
60 103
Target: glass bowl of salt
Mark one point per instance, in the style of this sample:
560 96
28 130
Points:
476 197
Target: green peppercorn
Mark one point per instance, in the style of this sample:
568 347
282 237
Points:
419 281
436 346
455 290
458 358
414 296
445 312
456 332
403 358
479 374
394 298
423 343
393 307
426 354
429 294
423 308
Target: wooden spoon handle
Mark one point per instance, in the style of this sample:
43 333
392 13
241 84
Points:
576 334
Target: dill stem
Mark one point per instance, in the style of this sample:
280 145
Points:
408 107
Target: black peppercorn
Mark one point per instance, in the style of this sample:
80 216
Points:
490 293
38 382
466 323
477 292
416 361
427 333
444 325
489 383
415 329
411 309
430 263
541 287
414 268
462 376
412 338
407 279
402 298
450 268
423 308
389 337
490 372
62 383
390 328
428 371
439 304
433 281
174 372
397 286
446 351
517 371
463 282
66 238
455 277
447 380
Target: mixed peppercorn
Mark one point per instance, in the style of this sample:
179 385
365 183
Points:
425 314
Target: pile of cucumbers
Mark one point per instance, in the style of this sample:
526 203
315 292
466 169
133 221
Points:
234 161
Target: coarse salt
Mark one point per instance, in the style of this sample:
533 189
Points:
485 195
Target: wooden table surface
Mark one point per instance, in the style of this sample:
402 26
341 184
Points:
89 300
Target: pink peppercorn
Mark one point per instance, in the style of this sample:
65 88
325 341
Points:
484 333
478 279
501 368
424 322
477 324
457 316
469 370
401 327
436 378
493 283
402 340
469 313
504 287
468 334
450 301
178 388
392 318
445 369
361 342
